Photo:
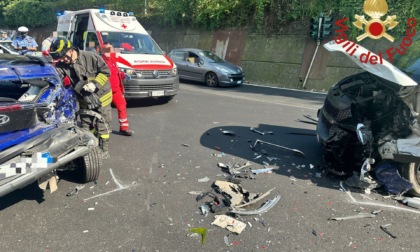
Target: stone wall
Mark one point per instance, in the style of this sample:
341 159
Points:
273 60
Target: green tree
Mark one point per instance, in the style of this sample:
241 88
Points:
30 13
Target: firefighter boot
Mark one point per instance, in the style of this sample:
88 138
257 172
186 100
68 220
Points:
104 145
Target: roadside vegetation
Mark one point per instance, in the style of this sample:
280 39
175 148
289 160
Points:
262 16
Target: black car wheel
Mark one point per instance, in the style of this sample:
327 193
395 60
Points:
89 166
211 80
411 172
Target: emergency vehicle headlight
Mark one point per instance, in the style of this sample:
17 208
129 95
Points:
129 71
102 10
174 71
58 14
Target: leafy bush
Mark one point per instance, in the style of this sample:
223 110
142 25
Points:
30 13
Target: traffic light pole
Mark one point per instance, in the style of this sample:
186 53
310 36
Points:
318 43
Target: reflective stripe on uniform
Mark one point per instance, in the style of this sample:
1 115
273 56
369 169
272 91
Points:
101 79
105 136
106 99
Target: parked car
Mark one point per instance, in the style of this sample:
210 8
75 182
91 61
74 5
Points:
373 115
38 130
7 48
205 66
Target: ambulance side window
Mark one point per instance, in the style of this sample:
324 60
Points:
91 41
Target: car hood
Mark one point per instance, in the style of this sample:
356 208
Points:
229 66
385 70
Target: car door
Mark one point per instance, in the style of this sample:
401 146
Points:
194 67
179 58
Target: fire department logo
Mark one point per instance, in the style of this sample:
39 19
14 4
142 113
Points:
375 28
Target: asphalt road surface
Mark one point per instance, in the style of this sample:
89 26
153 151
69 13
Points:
142 200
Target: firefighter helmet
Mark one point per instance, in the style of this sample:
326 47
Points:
59 47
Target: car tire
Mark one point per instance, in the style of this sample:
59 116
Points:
411 172
211 80
90 165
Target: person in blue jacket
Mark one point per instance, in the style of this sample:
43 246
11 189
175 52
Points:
24 44
4 36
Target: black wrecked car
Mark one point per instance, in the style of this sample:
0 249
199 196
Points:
369 123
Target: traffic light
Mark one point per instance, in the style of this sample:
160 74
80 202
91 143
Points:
326 27
315 25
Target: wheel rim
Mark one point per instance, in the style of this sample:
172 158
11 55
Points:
211 79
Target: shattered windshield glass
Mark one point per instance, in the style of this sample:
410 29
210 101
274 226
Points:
132 43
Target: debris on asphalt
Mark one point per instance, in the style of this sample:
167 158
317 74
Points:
229 132
205 209
201 231
258 142
235 192
226 240
195 192
185 145
229 223
412 202
85 231
265 207
256 199
385 229
357 216
247 164
221 154
205 179
262 133
75 190
259 171
91 209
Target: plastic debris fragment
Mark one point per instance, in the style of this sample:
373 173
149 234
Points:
385 229
267 206
412 202
229 223
205 179
258 142
202 232
205 210
229 132
259 171
75 190
357 216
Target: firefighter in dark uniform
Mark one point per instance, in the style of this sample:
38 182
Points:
89 77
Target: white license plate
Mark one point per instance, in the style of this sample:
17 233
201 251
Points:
158 93
239 82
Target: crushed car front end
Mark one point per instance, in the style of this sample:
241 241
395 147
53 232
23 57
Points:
38 130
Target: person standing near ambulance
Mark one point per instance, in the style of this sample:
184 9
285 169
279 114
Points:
24 44
108 54
89 77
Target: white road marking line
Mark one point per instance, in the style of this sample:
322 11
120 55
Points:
120 188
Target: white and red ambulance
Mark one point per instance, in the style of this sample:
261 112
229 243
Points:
152 72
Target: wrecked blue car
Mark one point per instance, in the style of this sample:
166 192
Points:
38 130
